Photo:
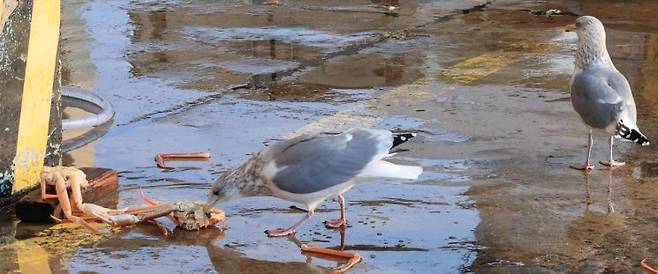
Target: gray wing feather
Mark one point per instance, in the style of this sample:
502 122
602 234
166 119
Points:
619 83
311 164
597 102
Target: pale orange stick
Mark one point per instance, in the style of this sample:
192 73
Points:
647 268
160 158
352 258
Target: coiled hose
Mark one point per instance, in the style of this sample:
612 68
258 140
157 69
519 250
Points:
100 122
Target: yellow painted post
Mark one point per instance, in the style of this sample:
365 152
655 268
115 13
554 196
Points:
37 93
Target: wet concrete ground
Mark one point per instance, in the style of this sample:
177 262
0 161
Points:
484 83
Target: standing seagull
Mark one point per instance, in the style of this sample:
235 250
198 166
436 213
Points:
309 169
600 93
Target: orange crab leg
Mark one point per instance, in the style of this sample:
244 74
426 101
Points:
154 203
65 203
147 199
352 258
44 195
161 157
647 268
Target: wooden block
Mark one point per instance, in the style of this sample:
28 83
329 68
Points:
102 190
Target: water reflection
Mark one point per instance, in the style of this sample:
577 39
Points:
223 257
595 240
588 191
48 249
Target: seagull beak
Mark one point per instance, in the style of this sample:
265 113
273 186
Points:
570 28
211 203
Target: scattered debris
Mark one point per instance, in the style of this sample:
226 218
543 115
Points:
551 12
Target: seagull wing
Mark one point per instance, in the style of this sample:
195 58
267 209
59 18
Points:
620 85
596 99
309 164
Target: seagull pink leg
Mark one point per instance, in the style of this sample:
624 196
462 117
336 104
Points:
337 223
279 232
586 166
612 163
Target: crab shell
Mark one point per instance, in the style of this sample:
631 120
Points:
192 216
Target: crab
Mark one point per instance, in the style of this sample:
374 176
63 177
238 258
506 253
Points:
189 215
185 214
64 178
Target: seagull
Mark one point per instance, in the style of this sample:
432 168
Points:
600 93
311 168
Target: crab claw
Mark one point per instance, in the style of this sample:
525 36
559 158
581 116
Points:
153 203
216 216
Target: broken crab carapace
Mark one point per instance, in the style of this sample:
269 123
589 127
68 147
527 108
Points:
188 215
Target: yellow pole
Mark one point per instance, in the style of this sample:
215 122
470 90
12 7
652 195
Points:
37 93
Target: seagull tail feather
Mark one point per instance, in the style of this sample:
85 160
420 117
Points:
390 170
398 139
631 134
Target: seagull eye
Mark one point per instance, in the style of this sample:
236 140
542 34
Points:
216 192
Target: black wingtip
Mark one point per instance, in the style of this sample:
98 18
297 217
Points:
631 134
401 138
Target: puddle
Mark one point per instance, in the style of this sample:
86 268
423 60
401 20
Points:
495 134
303 36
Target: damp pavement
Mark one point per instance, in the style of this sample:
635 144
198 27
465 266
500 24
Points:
484 83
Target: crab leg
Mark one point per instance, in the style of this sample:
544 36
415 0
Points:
44 195
65 203
160 158
154 203
647 268
352 258
110 216
99 211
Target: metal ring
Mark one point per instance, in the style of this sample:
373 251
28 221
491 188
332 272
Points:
99 123
89 102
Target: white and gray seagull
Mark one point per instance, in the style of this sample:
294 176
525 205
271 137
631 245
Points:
600 93
311 168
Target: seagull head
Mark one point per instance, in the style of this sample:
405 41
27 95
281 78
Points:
590 30
591 42
225 188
